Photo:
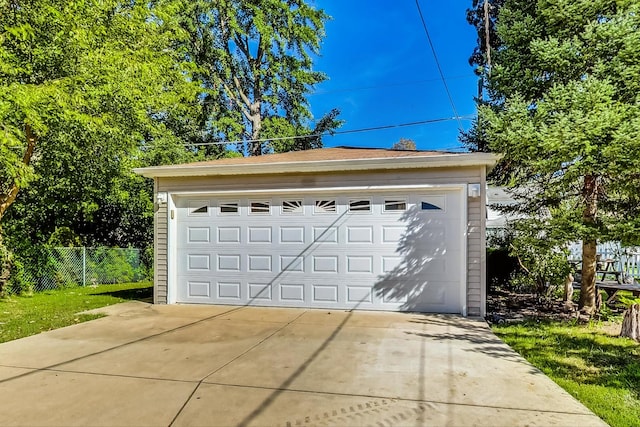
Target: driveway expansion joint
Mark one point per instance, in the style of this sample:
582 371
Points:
195 389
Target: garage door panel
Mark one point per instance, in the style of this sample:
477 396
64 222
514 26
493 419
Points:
260 291
197 289
292 292
198 262
259 234
359 234
323 234
198 235
229 291
324 293
292 264
292 234
325 263
259 263
303 251
229 234
359 294
359 264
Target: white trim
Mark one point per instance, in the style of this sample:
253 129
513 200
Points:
383 163
298 190
172 250
464 286
483 243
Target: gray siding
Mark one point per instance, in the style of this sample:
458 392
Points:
475 210
160 243
474 256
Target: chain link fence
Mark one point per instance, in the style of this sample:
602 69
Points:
68 267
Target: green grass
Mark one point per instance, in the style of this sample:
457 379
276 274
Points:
600 370
21 316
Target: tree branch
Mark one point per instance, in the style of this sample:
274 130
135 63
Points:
9 197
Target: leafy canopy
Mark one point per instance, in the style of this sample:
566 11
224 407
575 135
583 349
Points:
82 85
563 107
255 67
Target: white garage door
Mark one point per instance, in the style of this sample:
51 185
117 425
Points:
391 251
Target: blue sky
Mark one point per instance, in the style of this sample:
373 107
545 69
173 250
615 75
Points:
382 72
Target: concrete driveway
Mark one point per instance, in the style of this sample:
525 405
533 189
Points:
215 365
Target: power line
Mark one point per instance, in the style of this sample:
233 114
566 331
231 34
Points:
435 57
343 132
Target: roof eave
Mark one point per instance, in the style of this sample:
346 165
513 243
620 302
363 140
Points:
211 169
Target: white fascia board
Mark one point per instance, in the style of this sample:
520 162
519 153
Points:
375 189
211 169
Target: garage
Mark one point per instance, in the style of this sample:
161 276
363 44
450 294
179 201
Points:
336 228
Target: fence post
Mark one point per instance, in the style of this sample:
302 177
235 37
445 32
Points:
84 266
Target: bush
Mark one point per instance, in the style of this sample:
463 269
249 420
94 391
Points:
501 268
18 282
522 263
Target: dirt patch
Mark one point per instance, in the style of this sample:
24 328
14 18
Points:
504 306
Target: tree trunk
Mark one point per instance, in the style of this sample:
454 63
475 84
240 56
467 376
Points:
631 323
6 199
256 125
587 302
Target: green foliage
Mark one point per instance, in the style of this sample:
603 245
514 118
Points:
525 262
18 283
112 266
83 85
601 371
63 236
5 265
21 316
255 68
562 108
628 300
404 144
544 265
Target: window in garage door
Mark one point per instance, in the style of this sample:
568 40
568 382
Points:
325 206
291 207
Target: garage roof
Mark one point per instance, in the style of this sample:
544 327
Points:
322 160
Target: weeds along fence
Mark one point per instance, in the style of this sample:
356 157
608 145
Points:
68 267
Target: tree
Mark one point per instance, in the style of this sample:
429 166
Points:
254 65
404 144
561 105
82 85
631 323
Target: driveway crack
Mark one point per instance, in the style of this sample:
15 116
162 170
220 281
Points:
218 369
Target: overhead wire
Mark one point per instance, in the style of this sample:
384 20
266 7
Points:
327 133
435 57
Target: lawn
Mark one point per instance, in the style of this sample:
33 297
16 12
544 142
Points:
21 316
600 370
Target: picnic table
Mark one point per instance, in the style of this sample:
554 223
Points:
611 288
617 287
604 268
607 267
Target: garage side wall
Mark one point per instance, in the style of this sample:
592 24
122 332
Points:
475 245
160 249
443 176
